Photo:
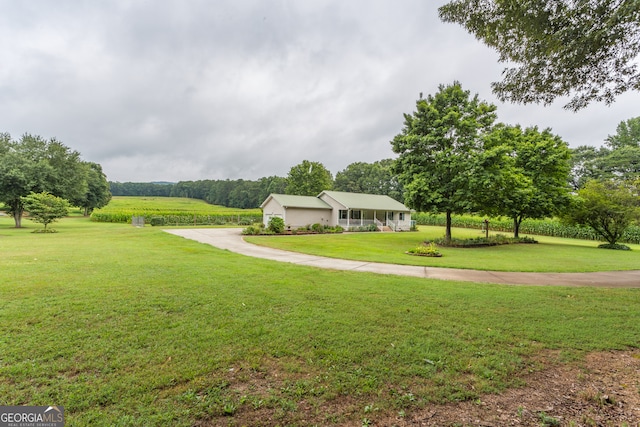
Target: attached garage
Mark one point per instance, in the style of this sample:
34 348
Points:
296 211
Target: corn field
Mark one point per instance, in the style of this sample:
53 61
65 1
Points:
177 218
541 227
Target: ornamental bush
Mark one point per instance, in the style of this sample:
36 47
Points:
156 221
429 250
498 239
276 224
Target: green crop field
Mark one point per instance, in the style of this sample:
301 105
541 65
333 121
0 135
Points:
136 203
173 211
127 326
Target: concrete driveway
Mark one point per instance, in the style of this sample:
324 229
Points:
231 239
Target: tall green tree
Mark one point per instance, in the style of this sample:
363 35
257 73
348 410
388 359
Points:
45 208
627 134
608 207
619 159
530 174
622 163
586 164
33 164
584 49
437 149
98 193
308 179
369 178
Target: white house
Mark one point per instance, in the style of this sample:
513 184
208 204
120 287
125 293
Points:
332 208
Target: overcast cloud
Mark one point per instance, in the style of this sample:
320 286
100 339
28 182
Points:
178 90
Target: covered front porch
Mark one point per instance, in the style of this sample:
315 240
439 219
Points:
382 220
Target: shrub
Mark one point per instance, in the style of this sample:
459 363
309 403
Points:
252 230
364 228
429 250
616 246
276 224
498 239
157 220
318 228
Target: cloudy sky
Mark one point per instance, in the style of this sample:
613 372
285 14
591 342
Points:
171 90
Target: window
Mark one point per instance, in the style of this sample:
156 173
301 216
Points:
356 214
342 214
391 215
401 216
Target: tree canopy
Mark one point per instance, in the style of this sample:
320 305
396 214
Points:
627 135
608 207
45 208
438 148
584 49
619 159
98 193
529 179
369 178
308 179
35 165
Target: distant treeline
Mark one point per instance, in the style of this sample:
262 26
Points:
238 193
308 178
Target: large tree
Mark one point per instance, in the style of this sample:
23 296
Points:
369 178
586 164
308 179
619 159
530 173
608 207
627 135
98 192
437 149
584 49
33 164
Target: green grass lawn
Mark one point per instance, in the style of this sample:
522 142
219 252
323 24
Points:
128 326
551 254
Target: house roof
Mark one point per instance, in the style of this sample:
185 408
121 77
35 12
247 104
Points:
291 201
365 201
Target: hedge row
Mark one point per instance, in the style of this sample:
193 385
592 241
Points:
178 218
540 227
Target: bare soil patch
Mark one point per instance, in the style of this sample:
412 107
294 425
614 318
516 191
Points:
601 390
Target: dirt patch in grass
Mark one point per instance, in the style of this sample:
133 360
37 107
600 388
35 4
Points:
601 390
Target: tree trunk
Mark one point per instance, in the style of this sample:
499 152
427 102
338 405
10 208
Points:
516 227
447 233
17 217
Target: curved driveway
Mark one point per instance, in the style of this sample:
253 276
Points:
231 239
